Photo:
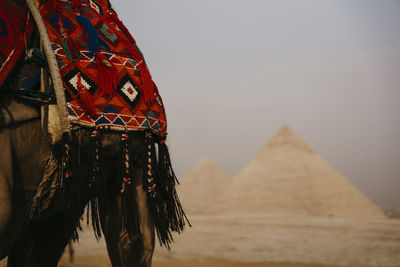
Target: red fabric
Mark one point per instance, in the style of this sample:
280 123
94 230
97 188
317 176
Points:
76 4
116 89
15 30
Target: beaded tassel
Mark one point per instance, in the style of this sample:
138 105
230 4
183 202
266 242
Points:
155 200
130 218
65 166
93 183
151 185
70 185
95 140
126 181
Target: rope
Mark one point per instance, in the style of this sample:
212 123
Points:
53 65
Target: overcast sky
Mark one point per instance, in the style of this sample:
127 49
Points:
232 72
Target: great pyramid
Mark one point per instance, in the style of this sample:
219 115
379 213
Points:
201 185
288 176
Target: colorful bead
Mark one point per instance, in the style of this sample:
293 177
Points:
124 137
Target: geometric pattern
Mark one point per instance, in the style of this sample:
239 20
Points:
123 109
67 24
106 33
129 91
71 79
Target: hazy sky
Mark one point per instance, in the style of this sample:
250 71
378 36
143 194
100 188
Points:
232 72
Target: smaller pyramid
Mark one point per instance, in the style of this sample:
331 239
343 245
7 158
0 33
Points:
199 187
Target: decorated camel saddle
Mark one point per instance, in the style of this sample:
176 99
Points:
92 76
106 82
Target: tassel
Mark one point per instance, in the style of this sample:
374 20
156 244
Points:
107 75
93 35
94 207
70 183
95 161
175 212
86 102
85 98
147 85
107 72
130 218
126 180
94 184
155 200
92 214
76 5
92 211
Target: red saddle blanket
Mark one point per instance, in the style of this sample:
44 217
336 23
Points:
106 80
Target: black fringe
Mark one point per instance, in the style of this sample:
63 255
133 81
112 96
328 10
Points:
154 198
175 212
95 184
159 182
130 218
70 176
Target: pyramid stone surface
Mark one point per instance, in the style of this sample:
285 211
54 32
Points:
199 188
287 176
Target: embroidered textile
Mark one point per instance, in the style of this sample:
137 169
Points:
106 80
15 30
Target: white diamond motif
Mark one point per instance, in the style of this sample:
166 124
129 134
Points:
74 82
130 91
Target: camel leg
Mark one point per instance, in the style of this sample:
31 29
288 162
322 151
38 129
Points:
145 220
111 227
122 247
6 188
41 244
13 206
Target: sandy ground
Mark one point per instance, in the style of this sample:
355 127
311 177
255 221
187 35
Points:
290 239
267 240
276 238
103 261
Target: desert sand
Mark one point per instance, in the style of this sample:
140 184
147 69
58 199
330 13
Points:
267 239
103 262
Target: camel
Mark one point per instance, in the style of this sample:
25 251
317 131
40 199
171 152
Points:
51 170
42 242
